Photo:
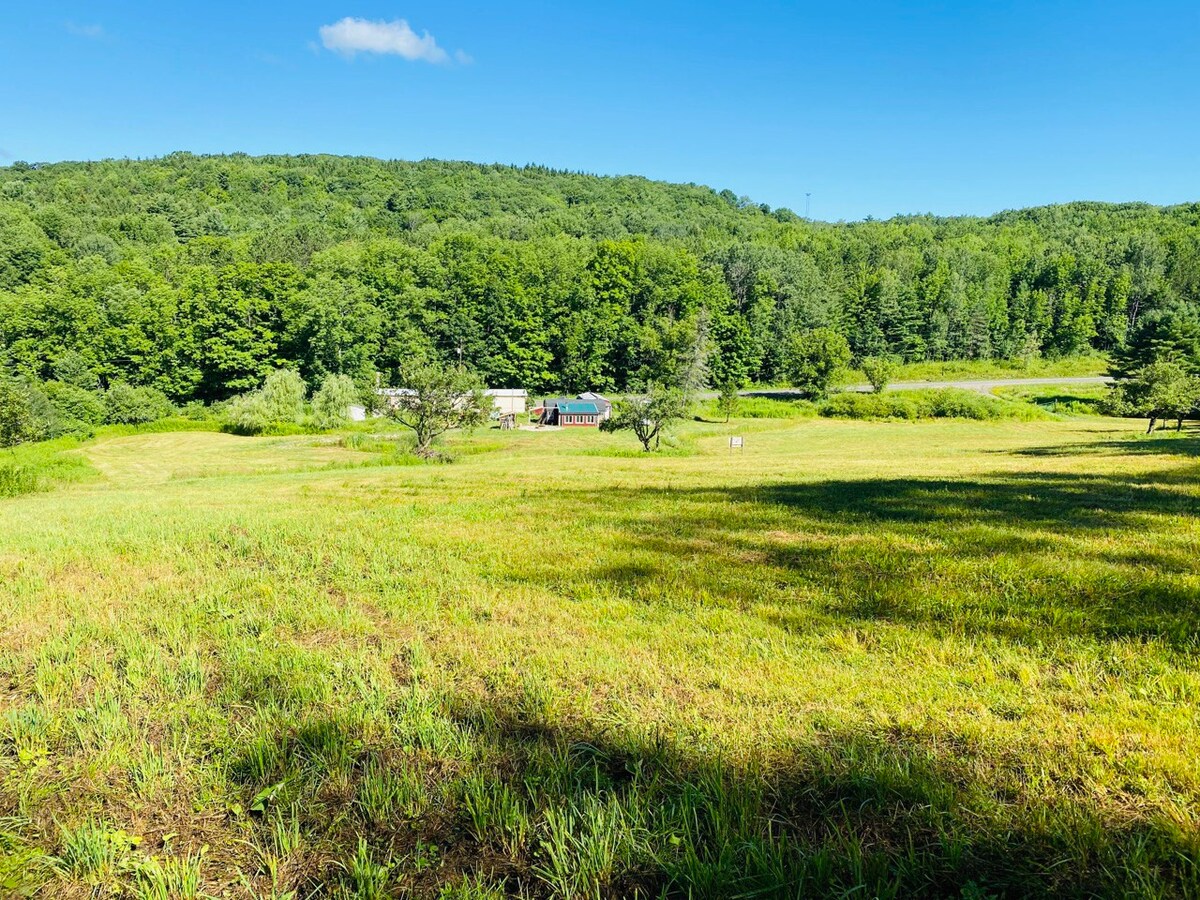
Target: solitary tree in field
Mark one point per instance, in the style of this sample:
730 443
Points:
728 399
438 399
283 394
812 358
1162 390
648 416
331 404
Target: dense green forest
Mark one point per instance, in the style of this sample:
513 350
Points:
199 275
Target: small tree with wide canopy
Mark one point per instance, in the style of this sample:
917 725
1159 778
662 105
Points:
1162 390
648 416
813 358
436 399
880 370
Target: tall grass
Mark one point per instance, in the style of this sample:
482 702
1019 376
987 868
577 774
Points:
28 468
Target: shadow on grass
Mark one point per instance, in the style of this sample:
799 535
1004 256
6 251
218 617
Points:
499 794
1161 443
1026 557
494 796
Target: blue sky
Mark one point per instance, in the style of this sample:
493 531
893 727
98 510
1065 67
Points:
875 108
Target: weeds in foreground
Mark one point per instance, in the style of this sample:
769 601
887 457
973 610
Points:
173 879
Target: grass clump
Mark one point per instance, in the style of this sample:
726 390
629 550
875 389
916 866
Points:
93 853
16 480
29 468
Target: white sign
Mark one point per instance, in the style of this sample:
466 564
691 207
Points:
735 443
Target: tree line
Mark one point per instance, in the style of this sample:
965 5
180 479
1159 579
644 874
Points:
198 276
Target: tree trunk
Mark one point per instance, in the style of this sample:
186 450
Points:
1150 430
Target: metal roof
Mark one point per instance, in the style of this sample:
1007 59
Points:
578 407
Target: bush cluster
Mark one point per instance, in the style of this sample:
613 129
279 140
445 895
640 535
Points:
279 406
947 403
31 411
125 404
16 480
765 408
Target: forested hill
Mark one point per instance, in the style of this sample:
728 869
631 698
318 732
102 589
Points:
198 275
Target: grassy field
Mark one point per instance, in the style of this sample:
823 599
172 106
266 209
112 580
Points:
938 658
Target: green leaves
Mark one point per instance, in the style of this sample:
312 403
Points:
435 399
813 358
648 416
199 276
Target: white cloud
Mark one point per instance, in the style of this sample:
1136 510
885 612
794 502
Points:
351 36
94 32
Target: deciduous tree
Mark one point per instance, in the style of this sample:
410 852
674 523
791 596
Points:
648 416
813 358
436 399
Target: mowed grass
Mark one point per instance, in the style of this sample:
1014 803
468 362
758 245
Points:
874 659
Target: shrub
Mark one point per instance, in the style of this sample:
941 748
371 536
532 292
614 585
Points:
196 411
947 403
72 368
75 404
278 406
812 359
951 403
26 414
247 414
759 407
880 370
729 399
125 404
873 406
16 414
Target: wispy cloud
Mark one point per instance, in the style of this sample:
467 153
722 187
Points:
351 36
92 32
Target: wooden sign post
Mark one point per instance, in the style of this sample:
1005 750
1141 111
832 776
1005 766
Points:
736 443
